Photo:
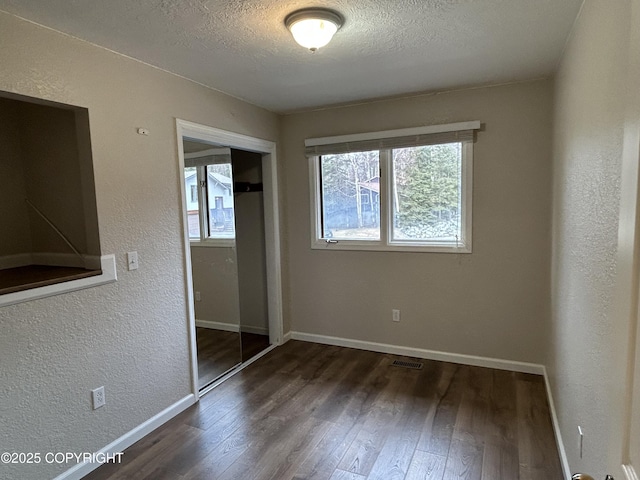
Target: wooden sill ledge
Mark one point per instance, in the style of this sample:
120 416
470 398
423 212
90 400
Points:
32 276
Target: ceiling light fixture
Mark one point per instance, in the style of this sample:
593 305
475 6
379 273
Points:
313 27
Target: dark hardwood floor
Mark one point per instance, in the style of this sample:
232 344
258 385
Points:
253 344
309 411
218 351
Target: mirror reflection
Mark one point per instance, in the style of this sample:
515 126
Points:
225 221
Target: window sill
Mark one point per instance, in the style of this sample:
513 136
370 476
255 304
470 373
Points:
71 281
394 247
214 243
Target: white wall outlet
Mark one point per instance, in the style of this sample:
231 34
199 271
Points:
198 298
132 261
97 395
395 315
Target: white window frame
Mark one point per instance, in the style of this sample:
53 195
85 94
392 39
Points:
385 243
203 206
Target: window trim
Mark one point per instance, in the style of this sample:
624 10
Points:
213 242
205 239
464 245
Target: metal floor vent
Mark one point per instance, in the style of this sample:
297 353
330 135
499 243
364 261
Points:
414 365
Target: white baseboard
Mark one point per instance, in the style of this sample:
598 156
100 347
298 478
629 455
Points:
129 438
227 327
497 363
564 461
15 261
233 371
629 472
477 361
256 330
119 445
231 327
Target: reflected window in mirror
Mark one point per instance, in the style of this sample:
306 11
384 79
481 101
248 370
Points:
208 178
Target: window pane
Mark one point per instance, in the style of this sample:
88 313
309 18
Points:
427 193
193 214
220 196
351 196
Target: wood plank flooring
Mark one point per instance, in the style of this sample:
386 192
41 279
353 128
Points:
253 344
219 351
316 412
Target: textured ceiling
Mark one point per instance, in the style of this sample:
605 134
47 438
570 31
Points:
386 47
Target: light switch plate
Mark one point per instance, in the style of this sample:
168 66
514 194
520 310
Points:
132 261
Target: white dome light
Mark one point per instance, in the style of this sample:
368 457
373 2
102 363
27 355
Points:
313 27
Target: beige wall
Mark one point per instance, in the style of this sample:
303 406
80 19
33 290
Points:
215 276
52 166
493 302
130 336
87 181
252 267
588 341
13 210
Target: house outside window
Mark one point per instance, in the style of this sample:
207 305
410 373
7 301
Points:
210 212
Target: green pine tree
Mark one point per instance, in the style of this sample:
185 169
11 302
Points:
427 181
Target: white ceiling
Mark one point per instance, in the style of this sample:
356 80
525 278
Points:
386 47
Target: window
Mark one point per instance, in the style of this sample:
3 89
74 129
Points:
412 192
210 209
346 179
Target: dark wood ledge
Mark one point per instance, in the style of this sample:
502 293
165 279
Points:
32 276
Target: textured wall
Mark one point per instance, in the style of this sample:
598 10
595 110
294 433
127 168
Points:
130 336
493 302
587 374
252 267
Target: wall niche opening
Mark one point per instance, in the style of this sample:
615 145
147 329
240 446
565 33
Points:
47 194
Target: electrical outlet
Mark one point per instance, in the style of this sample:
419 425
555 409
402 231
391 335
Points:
198 297
395 315
97 395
